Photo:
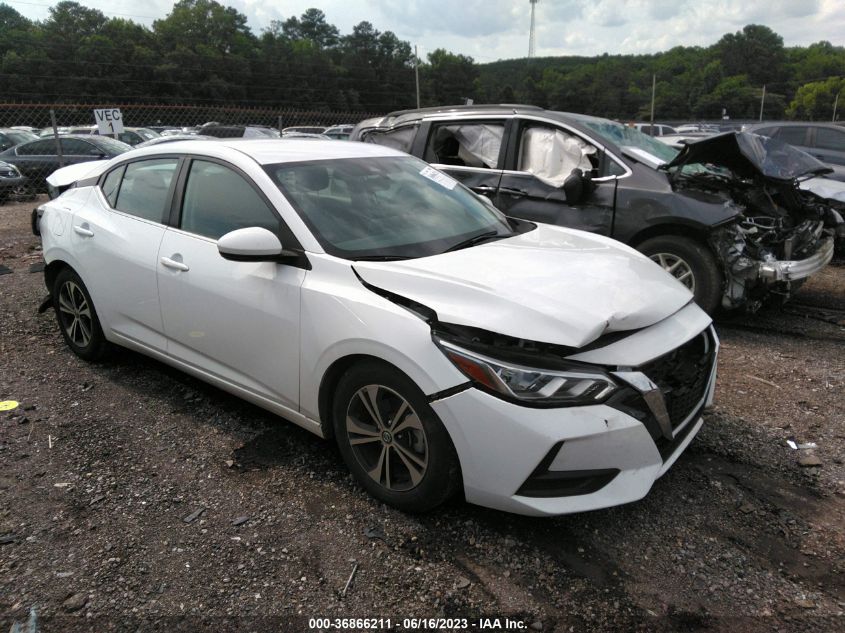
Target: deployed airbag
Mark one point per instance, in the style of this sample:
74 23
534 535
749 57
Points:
551 155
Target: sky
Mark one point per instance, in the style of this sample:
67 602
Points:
488 30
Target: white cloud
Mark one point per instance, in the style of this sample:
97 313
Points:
497 29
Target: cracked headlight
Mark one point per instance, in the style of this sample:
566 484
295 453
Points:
531 385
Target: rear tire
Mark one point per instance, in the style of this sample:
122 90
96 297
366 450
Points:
391 439
77 317
692 263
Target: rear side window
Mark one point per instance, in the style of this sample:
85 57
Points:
827 138
38 148
145 187
111 185
218 200
793 134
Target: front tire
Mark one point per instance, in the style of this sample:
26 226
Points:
77 317
691 263
391 439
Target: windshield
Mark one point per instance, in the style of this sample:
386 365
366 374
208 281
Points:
642 146
388 207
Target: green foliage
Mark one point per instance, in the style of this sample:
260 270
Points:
814 100
204 51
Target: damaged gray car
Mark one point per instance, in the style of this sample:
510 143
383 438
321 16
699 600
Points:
726 215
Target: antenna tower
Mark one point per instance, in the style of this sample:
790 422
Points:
531 34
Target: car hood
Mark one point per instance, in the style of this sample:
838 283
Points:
747 155
551 285
79 171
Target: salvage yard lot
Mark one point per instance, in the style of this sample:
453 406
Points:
131 492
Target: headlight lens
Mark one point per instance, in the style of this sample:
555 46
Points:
529 385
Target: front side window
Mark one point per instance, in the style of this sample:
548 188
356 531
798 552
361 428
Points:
466 144
145 188
111 184
827 138
551 154
385 208
218 200
793 134
77 147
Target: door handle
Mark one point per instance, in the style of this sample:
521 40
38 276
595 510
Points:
516 193
484 189
81 230
171 263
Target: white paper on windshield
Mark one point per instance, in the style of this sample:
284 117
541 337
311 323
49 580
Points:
441 179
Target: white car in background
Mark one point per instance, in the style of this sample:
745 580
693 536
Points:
370 298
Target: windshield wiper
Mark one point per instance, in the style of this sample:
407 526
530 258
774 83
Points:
379 258
476 239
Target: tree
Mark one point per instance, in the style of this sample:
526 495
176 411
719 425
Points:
448 78
756 51
312 26
814 101
205 50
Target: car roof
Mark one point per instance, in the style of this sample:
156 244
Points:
270 150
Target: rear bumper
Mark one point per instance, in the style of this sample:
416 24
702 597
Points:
798 269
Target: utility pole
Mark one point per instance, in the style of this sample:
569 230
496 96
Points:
762 102
835 103
653 92
56 136
417 74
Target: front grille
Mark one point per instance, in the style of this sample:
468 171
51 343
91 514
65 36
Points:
682 376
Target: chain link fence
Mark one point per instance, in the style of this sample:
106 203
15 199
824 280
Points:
30 150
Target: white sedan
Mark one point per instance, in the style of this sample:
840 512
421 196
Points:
369 298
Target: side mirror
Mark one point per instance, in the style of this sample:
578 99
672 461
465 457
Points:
253 244
573 186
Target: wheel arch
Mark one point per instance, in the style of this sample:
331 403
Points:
682 230
330 379
52 270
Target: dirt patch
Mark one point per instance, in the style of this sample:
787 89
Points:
102 465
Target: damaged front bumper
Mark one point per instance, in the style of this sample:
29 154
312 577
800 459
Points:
798 269
749 279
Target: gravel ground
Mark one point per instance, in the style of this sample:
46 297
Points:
135 498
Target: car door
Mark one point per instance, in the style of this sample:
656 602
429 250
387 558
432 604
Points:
33 159
115 238
237 321
469 150
540 156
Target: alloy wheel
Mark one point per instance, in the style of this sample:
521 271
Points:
676 267
387 438
75 313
